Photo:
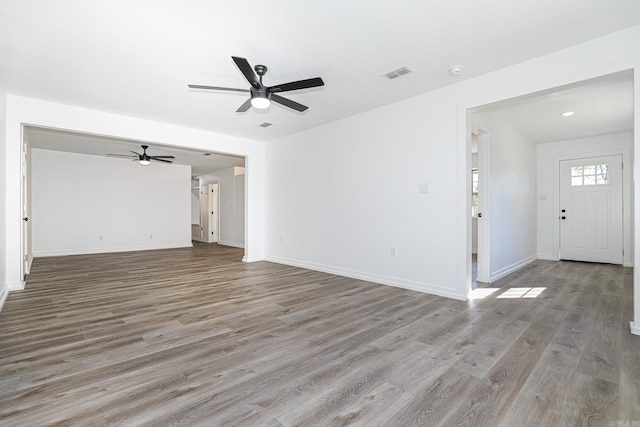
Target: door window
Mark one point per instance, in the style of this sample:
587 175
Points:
590 175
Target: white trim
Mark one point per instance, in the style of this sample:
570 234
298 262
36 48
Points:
29 263
15 286
252 259
548 257
109 250
484 206
511 268
3 298
635 199
375 278
233 244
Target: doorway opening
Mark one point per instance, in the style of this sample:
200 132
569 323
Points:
529 137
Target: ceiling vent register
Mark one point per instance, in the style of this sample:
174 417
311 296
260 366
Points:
398 72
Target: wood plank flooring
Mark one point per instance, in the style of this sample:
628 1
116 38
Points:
191 337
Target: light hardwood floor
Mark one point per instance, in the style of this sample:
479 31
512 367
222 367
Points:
196 337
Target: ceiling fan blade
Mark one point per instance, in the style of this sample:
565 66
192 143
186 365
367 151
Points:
288 103
161 157
300 84
248 72
244 107
137 154
160 160
229 89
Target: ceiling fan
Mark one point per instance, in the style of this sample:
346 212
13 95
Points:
261 95
144 159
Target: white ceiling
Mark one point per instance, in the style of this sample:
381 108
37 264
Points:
200 162
602 106
136 57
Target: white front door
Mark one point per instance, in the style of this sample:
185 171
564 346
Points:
591 209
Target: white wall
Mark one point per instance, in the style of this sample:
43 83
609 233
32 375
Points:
340 196
549 156
232 206
513 196
93 204
4 287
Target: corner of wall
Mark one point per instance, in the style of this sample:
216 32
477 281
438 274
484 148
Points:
4 287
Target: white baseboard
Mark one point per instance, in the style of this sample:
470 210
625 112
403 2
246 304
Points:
3 297
15 286
232 244
252 258
548 257
511 268
110 250
375 278
635 329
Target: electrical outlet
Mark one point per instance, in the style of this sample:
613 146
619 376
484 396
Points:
100 238
150 236
281 239
393 251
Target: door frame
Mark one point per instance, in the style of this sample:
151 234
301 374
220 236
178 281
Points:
627 170
213 200
484 206
27 221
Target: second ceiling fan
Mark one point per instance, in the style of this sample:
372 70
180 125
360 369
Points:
261 95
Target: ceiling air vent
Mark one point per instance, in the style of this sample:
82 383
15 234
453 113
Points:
401 71
265 124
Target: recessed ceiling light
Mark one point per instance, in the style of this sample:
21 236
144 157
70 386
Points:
567 114
265 124
206 154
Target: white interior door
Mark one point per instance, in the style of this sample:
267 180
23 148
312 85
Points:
484 208
204 212
27 254
213 213
591 209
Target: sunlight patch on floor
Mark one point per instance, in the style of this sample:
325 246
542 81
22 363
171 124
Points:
522 293
511 293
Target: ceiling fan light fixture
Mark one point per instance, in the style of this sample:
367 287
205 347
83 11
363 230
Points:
145 162
260 99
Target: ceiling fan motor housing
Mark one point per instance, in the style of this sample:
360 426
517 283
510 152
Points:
261 70
261 93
